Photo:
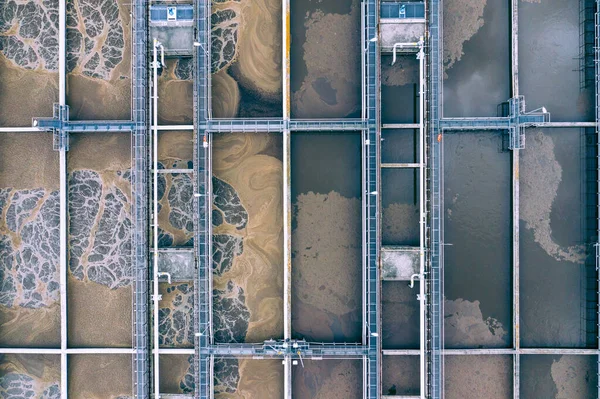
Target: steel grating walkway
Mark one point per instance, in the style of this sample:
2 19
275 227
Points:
436 273
139 183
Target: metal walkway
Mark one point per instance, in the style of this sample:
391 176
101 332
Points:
139 209
202 203
371 244
296 349
515 122
435 283
278 125
62 123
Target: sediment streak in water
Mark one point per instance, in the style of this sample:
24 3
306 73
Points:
539 188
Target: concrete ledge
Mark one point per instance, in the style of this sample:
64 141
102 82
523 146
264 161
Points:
405 32
398 263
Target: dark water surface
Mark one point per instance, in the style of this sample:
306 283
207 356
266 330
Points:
549 60
400 375
477 189
326 236
400 315
400 89
480 80
400 206
325 58
399 145
555 259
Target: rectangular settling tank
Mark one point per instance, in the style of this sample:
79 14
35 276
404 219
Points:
99 279
29 236
558 229
247 218
477 223
326 236
325 67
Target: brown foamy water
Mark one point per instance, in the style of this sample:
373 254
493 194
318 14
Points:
248 379
327 379
100 376
176 374
99 59
175 92
246 58
27 376
99 279
248 237
29 299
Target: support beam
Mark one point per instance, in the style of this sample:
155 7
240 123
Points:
21 130
516 267
422 219
516 378
170 171
401 352
63 270
62 100
565 124
498 352
287 198
400 126
176 351
175 127
401 165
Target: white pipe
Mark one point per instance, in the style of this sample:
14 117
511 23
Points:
62 49
156 297
175 127
162 55
396 45
62 99
421 58
412 279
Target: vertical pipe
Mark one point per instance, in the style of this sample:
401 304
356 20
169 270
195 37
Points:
156 295
62 99
63 272
287 269
287 224
287 201
62 73
515 202
421 57
516 308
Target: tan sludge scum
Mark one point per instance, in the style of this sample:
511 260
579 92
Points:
246 58
99 59
28 242
28 60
